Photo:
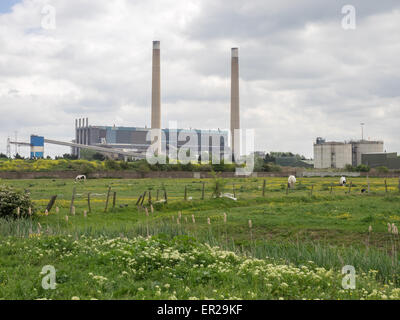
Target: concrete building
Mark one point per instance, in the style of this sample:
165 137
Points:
364 146
333 154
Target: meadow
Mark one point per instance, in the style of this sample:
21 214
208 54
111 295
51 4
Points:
270 243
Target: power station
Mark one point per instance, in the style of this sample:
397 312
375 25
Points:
135 141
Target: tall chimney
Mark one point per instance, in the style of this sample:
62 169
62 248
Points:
156 96
235 119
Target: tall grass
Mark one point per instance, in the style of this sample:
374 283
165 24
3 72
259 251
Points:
384 261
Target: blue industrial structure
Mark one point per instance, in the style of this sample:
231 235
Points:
37 147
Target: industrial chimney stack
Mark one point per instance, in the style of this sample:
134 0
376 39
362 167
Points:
235 119
156 96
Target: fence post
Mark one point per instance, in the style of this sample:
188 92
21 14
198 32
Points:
185 196
202 190
72 200
114 199
165 196
386 189
149 197
312 189
138 200
368 184
234 191
351 184
51 203
263 189
88 201
144 196
158 191
108 198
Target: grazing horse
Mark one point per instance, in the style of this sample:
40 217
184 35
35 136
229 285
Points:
291 181
80 178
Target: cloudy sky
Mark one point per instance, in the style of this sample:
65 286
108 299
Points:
302 74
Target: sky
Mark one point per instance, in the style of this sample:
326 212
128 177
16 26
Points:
302 73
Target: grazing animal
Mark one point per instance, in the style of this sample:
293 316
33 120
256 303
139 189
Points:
291 181
80 178
342 181
363 190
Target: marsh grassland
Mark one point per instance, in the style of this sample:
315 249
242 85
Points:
270 243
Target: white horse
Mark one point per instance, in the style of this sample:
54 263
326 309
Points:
81 177
291 181
342 181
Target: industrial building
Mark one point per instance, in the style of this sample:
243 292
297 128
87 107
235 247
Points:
381 159
139 139
331 154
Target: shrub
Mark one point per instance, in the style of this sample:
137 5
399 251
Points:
382 169
11 199
112 165
218 184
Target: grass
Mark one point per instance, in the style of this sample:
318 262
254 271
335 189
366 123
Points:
328 228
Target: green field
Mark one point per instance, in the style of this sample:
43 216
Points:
295 248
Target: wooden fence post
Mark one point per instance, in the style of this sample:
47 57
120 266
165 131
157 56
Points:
386 189
108 198
368 184
202 190
144 196
312 189
114 199
138 200
88 202
263 189
158 191
234 191
185 196
149 197
51 203
72 200
165 196
351 184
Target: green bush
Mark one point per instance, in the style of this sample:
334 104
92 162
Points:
112 165
11 199
382 169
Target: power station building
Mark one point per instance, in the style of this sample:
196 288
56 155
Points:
139 139
331 154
